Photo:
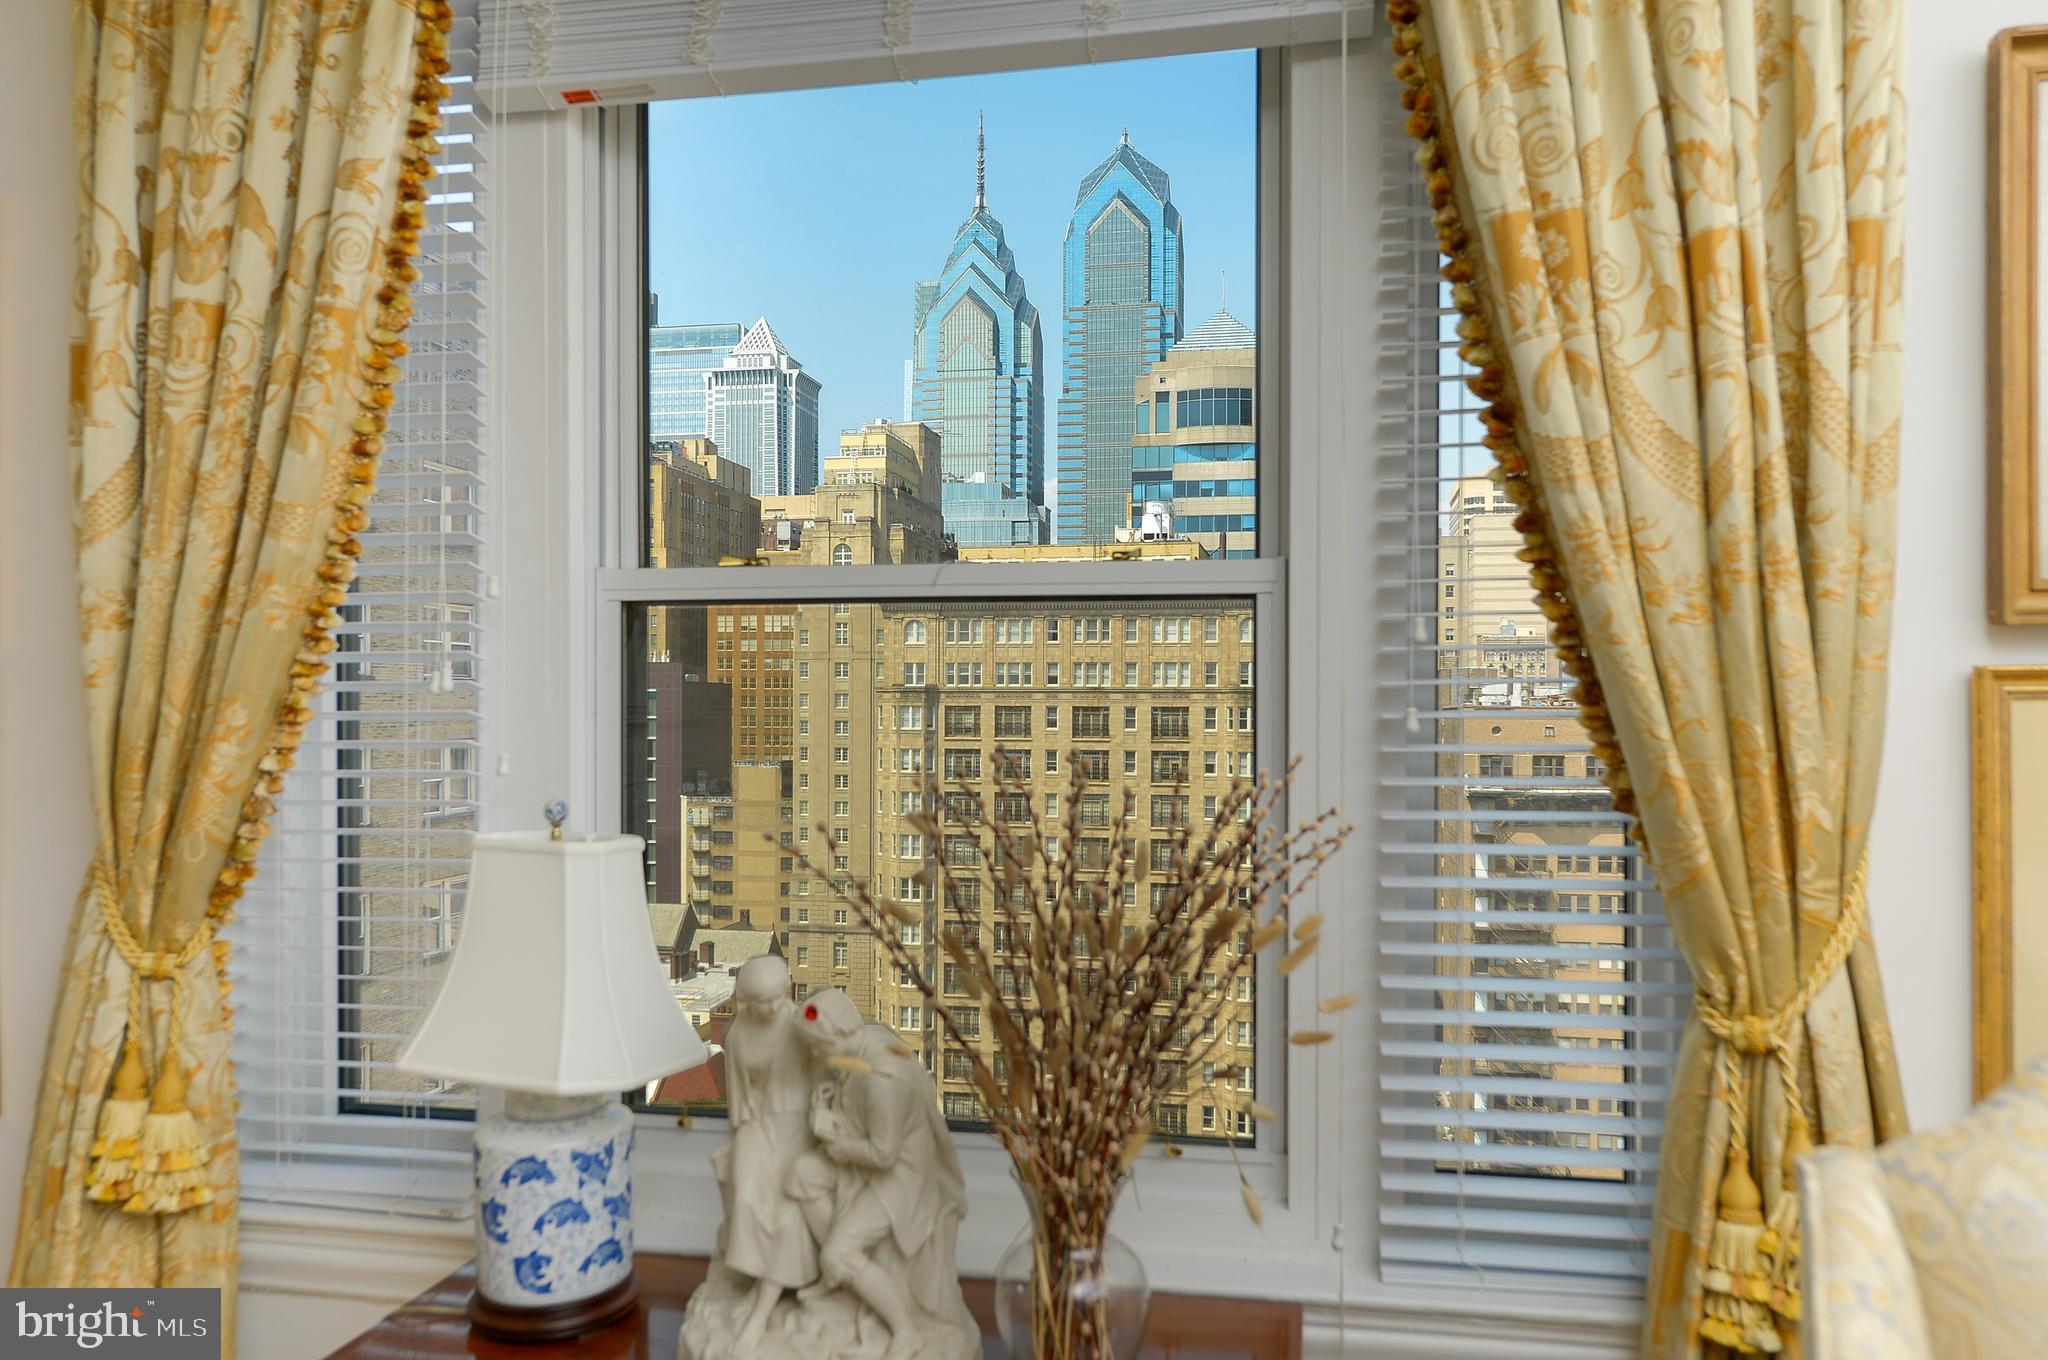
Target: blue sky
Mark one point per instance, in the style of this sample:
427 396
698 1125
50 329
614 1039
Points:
820 209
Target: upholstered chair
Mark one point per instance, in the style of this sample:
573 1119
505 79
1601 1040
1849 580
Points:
1933 1247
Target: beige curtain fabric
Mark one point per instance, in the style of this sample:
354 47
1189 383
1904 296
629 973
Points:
249 179
1675 231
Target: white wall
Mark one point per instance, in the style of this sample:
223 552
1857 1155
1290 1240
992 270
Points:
1920 861
45 809
1921 866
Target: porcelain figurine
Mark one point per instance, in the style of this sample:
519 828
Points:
843 1194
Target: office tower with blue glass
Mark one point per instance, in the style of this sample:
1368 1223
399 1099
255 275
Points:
677 359
1194 449
761 411
977 360
1123 299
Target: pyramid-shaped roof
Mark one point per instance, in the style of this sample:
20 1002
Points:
1151 176
1221 331
760 339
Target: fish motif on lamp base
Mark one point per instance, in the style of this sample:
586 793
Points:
554 1216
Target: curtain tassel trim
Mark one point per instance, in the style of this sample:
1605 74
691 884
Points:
1476 347
1752 1278
149 1154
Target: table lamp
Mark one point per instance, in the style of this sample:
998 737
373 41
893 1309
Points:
555 994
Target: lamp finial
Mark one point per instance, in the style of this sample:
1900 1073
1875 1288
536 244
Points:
556 812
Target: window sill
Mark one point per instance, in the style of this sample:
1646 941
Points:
385 1258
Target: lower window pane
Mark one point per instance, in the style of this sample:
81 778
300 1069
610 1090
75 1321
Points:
763 734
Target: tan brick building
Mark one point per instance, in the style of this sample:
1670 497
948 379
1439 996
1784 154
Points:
1517 747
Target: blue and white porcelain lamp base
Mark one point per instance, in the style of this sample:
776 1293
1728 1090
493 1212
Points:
554 1229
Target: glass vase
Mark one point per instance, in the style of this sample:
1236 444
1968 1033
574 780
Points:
1067 1295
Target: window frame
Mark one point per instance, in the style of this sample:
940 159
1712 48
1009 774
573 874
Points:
1281 1167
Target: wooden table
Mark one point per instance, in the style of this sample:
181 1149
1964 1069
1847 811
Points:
436 1323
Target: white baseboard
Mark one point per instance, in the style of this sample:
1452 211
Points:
1403 1334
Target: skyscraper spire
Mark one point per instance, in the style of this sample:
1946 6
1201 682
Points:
980 163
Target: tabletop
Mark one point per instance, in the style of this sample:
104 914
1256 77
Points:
436 1323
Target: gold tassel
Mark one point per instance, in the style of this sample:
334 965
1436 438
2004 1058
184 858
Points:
1781 1232
170 1169
121 1114
1737 1282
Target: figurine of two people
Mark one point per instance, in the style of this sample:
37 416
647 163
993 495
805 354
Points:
842 1192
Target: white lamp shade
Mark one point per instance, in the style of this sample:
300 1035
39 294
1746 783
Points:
555 986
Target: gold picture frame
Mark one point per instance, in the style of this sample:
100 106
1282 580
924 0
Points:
2009 812
2018 267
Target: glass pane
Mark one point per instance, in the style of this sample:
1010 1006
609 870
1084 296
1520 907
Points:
841 333
751 724
1554 955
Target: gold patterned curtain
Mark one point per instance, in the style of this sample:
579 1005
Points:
251 178
1674 232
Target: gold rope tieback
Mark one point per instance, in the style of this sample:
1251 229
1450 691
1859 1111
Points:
1752 1278
147 1155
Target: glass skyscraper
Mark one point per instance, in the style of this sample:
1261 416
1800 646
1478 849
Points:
977 357
1123 299
677 358
761 411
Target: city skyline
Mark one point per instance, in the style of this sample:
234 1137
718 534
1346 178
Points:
829 250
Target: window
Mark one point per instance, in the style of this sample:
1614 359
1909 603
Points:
913 673
1512 1001
1169 810
842 555
1169 724
1013 720
913 633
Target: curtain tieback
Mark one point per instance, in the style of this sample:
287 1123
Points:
1752 1274
147 1153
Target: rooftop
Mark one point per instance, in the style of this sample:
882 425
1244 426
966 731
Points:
1221 331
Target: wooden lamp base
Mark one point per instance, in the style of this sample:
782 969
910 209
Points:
555 1321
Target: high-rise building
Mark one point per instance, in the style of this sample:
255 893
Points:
979 361
1122 292
677 359
699 511
761 410
1195 448
685 740
1554 874
731 856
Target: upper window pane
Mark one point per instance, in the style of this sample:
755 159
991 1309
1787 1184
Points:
996 318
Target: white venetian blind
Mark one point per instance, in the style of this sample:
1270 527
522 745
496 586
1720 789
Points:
1531 998
340 941
550 54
